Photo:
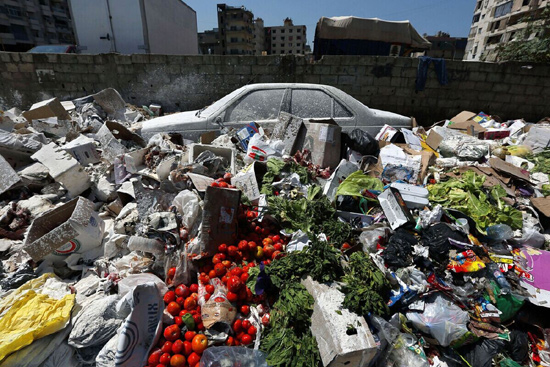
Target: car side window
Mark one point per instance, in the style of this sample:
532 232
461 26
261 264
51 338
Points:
340 110
310 103
256 106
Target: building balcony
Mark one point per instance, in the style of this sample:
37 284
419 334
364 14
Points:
46 10
59 13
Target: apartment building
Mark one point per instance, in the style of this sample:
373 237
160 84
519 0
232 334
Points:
236 30
259 37
496 22
25 24
286 39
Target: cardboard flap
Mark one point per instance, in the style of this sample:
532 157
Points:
542 205
120 131
463 117
505 167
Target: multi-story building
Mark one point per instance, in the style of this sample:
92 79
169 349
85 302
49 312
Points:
236 30
25 24
445 46
259 37
496 22
286 39
209 42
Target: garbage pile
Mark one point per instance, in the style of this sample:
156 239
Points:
416 247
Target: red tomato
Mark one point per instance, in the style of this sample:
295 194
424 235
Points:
232 297
246 324
178 320
169 296
232 250
234 284
193 359
154 357
278 247
212 274
190 303
220 270
252 330
189 335
177 346
222 248
244 277
265 319
236 271
226 263
173 308
243 245
166 347
245 310
177 360
171 272
229 341
182 291
224 184
187 348
199 343
206 297
172 332
276 238
246 339
194 288
237 326
210 288
197 318
165 359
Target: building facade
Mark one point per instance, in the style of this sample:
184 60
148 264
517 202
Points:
25 24
447 47
236 30
259 37
209 42
496 22
286 39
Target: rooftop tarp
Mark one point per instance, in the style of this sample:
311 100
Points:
370 29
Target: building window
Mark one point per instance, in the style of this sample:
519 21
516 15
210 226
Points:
290 30
282 38
14 11
282 31
476 18
298 44
482 16
503 9
289 51
290 45
479 31
290 38
4 29
525 2
274 38
274 31
36 34
282 45
298 37
273 45
19 32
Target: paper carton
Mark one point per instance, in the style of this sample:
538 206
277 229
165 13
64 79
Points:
329 326
219 219
394 208
83 150
415 197
63 168
246 133
323 140
249 181
227 153
73 227
48 108
344 169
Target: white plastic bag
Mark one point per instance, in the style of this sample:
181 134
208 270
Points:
260 148
189 206
442 319
230 356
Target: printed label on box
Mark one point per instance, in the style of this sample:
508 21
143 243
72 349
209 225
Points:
226 215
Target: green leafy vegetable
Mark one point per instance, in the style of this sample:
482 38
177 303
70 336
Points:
252 278
276 168
467 194
541 161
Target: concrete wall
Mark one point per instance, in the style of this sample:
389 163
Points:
509 90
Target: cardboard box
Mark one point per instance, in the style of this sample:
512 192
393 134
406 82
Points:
249 181
464 122
219 219
323 139
394 208
386 133
329 326
508 168
542 205
48 108
83 150
63 168
73 227
494 134
415 197
8 176
288 130
433 140
227 153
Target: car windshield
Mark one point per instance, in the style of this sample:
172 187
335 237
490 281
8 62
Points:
51 49
207 111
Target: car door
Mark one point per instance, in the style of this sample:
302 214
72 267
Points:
261 106
318 104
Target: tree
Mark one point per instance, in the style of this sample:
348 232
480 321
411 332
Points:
532 44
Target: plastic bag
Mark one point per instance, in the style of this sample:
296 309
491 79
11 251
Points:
442 319
230 356
398 254
436 238
358 181
33 311
188 205
362 142
374 235
260 148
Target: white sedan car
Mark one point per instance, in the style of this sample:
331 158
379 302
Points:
261 103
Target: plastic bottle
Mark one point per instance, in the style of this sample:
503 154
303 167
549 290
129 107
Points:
500 232
494 270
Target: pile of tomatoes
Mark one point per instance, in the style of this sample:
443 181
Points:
223 182
230 266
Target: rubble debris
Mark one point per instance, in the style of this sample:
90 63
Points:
310 245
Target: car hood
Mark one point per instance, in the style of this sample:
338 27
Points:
173 123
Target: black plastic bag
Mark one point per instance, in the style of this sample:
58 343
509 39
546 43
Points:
362 142
482 353
518 347
398 254
436 238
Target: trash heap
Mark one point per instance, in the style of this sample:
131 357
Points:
301 246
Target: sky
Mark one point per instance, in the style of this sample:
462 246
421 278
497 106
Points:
427 16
